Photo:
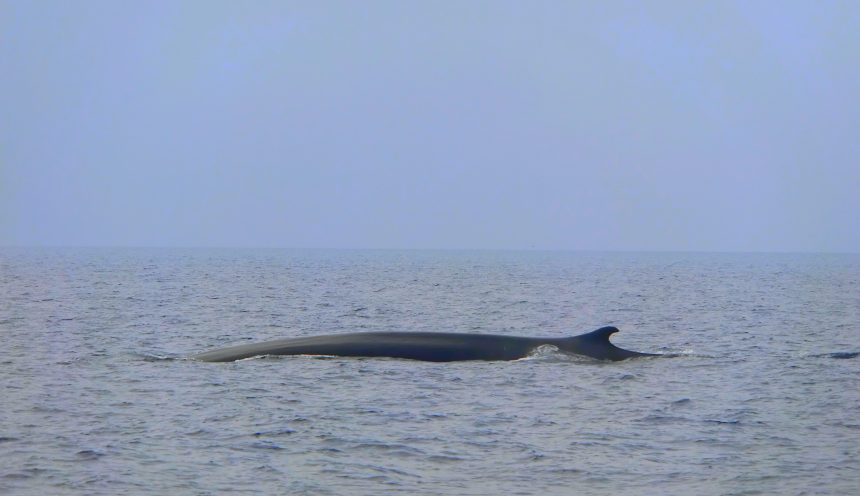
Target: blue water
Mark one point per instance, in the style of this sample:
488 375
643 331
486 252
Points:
759 392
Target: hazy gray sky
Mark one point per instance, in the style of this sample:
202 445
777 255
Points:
559 125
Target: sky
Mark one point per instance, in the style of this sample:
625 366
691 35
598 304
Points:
567 125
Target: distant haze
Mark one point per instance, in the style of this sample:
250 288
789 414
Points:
550 125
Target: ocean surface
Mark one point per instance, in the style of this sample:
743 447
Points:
758 391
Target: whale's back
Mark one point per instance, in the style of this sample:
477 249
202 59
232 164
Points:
427 346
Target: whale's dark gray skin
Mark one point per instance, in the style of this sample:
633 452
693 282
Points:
427 346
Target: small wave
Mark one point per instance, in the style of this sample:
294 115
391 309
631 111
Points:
685 353
313 357
17 476
152 357
395 450
658 419
445 458
550 353
565 470
266 445
85 455
515 303
257 357
721 421
542 351
619 378
275 432
839 355
843 355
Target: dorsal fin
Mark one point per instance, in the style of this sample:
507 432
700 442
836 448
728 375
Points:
601 334
596 345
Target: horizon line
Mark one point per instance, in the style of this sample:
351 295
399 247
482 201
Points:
448 248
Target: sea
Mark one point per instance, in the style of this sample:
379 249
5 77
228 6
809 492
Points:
757 391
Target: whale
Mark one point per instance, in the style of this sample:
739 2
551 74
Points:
426 346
